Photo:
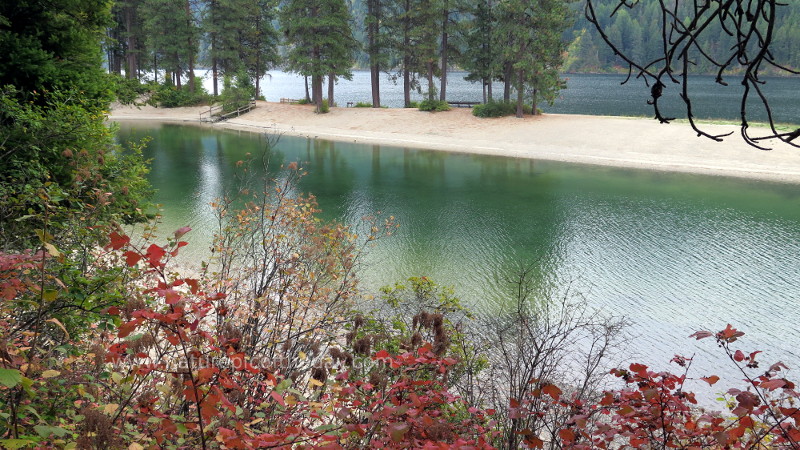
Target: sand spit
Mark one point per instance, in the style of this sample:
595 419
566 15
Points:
603 140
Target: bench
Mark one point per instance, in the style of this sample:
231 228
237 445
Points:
463 104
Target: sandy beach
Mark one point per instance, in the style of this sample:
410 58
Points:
604 140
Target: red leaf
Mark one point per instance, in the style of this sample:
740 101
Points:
730 334
154 254
773 384
132 258
710 380
566 435
534 442
552 390
118 240
172 297
398 431
639 369
181 231
701 335
126 328
277 397
193 285
738 356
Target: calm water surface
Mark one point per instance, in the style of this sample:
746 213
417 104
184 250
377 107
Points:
674 253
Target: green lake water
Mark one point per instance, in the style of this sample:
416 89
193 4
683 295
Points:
674 253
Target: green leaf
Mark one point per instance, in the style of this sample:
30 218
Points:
10 377
45 431
13 444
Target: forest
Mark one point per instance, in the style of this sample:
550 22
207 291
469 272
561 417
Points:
107 342
524 44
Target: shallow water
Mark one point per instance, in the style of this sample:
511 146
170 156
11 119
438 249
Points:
674 253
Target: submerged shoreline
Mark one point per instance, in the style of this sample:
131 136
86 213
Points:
599 140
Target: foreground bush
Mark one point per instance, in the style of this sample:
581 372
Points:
263 348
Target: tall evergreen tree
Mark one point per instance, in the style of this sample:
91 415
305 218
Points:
52 45
320 41
126 46
377 46
535 47
414 25
480 58
241 37
172 35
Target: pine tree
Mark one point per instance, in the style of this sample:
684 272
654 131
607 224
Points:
377 46
320 40
172 36
242 38
480 56
535 47
414 25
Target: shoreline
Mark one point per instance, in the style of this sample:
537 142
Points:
626 142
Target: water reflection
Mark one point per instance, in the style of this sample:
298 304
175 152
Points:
674 253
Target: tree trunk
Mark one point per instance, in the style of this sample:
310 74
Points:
520 91
431 87
214 63
373 28
445 22
489 89
406 58
155 68
308 97
316 91
191 47
131 53
406 87
533 106
507 70
331 81
483 82
214 73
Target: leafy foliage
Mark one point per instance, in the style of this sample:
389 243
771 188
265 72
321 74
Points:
236 92
167 95
433 105
59 166
54 46
493 109
321 41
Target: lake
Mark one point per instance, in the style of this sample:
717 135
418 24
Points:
585 94
674 253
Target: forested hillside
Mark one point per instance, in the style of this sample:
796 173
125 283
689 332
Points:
637 31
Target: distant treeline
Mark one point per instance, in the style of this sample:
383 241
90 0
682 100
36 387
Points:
522 43
637 31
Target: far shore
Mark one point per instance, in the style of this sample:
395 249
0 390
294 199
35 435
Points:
602 140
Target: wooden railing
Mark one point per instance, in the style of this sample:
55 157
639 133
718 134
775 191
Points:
215 113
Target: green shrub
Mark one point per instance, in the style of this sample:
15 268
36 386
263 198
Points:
237 91
362 105
498 109
434 105
168 95
413 105
303 101
324 108
127 91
